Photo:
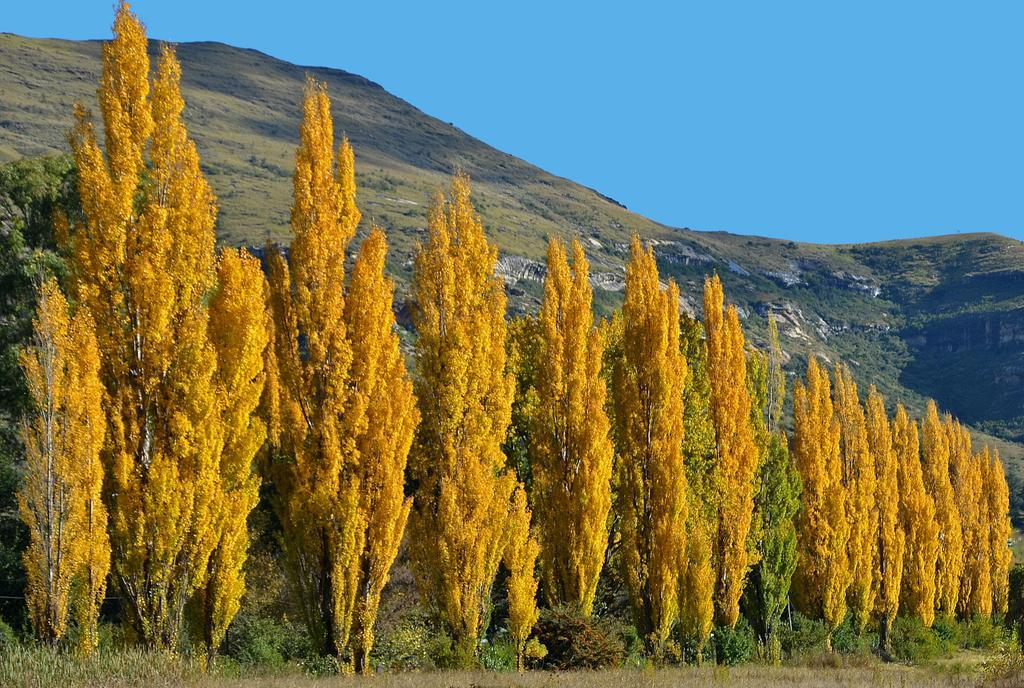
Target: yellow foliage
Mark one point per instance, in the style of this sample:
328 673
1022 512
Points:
464 489
936 460
319 484
737 451
143 263
60 498
823 529
382 418
571 449
239 333
698 586
859 480
890 539
520 558
917 520
341 408
975 595
649 380
998 504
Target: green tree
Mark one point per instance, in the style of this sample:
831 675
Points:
776 502
31 190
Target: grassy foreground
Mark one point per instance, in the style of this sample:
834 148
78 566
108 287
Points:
38 668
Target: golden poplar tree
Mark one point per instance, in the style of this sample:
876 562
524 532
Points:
143 263
342 409
997 494
239 333
68 554
737 452
859 479
917 521
571 448
975 595
823 529
319 485
464 489
649 380
697 574
382 418
935 452
520 558
890 536
982 592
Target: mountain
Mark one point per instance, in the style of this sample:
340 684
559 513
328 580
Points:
940 317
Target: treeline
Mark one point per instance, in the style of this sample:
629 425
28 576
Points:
170 381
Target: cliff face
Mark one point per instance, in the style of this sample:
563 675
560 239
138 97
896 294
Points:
941 316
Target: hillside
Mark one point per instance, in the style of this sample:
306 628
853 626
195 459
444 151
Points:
941 317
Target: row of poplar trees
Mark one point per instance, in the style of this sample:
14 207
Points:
174 378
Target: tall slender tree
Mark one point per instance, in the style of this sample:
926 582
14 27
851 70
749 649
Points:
936 460
975 596
143 263
520 558
737 451
239 333
463 488
917 521
859 479
823 529
890 535
381 419
319 503
60 501
776 504
571 449
697 576
649 379
998 503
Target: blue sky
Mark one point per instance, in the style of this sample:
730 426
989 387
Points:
815 121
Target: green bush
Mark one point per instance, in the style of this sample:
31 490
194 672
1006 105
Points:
847 641
734 645
687 651
499 655
982 634
258 641
8 638
913 642
319 665
806 635
948 630
413 644
577 642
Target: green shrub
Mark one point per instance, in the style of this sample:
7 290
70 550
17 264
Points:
257 641
499 655
913 642
734 646
806 636
687 651
413 644
982 634
8 638
947 629
319 665
577 642
847 641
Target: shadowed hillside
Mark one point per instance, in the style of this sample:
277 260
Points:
941 317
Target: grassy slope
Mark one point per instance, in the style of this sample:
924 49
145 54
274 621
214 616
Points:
942 317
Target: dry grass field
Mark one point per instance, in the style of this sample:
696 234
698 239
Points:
34 668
